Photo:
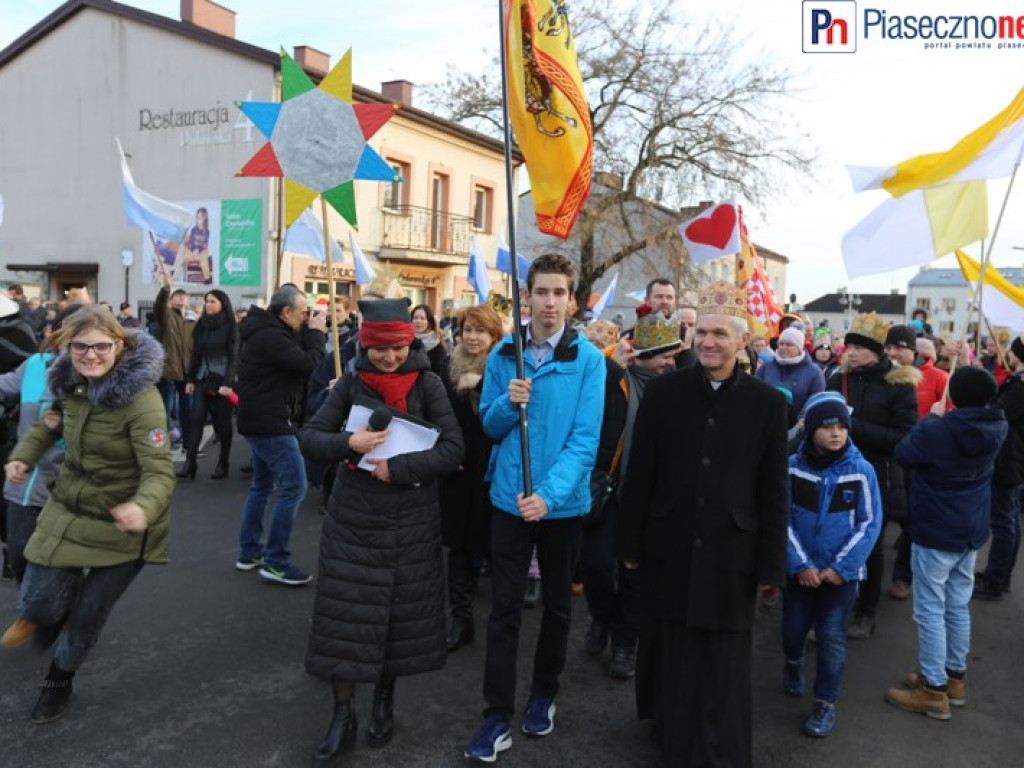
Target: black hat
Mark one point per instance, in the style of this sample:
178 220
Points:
901 336
972 387
385 323
385 310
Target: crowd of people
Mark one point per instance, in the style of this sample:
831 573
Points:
680 470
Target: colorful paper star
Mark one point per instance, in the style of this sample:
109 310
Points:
317 139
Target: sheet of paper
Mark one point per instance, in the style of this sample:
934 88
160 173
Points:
403 436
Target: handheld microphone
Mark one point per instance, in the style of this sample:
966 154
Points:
379 419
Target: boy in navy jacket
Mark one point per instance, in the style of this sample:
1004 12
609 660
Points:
953 458
835 518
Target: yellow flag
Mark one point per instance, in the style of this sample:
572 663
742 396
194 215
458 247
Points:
1003 301
548 110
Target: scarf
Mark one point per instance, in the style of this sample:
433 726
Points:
461 363
393 387
791 360
637 380
822 459
428 339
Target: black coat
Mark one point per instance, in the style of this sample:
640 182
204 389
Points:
379 608
616 405
273 366
214 339
706 498
884 401
465 494
1010 462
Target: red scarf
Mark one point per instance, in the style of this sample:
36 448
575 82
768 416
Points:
393 387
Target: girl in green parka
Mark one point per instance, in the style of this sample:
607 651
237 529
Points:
109 507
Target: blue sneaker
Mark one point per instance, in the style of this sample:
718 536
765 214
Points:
248 563
285 574
821 721
539 719
793 678
493 737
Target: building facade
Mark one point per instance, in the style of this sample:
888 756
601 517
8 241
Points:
94 71
946 296
837 310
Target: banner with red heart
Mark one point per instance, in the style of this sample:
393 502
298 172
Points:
714 233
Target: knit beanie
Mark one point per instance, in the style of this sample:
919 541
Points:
901 336
385 323
793 336
972 387
825 408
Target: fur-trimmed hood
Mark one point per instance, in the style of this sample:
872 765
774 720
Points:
461 362
895 375
136 371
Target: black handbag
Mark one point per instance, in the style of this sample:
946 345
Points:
603 486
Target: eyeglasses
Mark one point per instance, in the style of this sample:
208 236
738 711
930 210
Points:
101 348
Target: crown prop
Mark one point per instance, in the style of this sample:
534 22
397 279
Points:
722 298
869 324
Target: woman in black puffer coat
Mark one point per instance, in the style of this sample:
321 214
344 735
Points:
883 397
379 610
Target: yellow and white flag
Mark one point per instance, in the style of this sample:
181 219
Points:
1002 301
988 152
921 226
548 110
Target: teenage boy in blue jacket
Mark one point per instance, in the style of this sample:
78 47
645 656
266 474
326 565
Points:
953 457
564 392
835 518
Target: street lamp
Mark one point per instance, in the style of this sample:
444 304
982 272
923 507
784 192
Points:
850 301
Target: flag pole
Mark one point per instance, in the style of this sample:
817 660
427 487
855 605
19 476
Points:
330 286
517 338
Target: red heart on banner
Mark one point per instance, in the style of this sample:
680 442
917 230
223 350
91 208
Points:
716 230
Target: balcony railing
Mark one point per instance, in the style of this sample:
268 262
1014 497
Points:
412 227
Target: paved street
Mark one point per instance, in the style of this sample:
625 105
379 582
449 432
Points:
202 666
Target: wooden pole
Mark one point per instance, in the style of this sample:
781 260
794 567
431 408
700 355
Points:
330 288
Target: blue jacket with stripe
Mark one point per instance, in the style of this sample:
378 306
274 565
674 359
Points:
835 514
565 412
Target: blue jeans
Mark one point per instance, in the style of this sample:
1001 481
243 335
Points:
1002 555
826 608
81 599
178 405
943 583
275 461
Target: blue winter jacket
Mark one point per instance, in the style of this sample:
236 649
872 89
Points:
564 413
803 379
953 458
835 514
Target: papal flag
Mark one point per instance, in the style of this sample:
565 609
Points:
1002 301
548 110
763 308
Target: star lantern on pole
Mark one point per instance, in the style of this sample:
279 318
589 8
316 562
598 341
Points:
316 139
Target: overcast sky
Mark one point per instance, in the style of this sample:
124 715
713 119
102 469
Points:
888 101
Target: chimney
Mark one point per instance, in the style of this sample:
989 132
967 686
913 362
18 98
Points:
312 59
209 15
398 91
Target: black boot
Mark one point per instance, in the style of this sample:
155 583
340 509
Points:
382 719
341 733
220 471
461 632
188 470
55 698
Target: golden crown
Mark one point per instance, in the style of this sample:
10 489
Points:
500 304
869 324
722 298
653 330
602 332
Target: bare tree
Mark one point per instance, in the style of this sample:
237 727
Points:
681 113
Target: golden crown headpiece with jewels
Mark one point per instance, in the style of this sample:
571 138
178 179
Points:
722 298
602 333
870 326
653 331
500 304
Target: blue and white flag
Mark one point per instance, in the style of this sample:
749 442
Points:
149 213
637 295
365 274
504 261
606 297
306 236
479 277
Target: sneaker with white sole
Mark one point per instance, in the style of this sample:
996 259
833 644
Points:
248 563
539 719
493 737
288 574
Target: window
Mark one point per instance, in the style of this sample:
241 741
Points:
949 306
438 206
396 193
946 326
482 203
925 304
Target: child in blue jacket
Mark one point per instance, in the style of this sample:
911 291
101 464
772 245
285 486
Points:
835 517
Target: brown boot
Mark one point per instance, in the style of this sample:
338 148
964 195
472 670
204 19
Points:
19 633
923 699
956 691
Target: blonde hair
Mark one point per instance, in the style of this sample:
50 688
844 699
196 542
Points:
89 318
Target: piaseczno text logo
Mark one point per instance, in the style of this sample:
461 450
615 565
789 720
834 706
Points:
830 26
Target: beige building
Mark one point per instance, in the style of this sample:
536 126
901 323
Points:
96 70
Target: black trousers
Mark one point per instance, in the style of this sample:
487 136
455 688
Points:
220 413
613 592
512 542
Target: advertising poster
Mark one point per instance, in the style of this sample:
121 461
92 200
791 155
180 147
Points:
222 247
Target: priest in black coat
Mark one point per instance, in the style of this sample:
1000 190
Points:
706 507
